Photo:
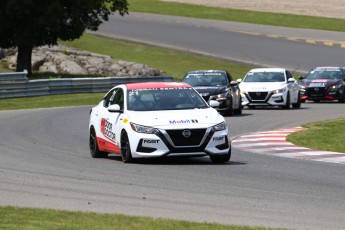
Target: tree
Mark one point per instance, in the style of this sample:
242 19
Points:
27 24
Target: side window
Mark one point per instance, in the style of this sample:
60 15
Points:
108 97
288 75
230 79
117 98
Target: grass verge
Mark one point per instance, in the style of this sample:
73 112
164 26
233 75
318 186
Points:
264 18
172 62
28 218
51 101
327 136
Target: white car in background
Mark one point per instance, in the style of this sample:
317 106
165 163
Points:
157 119
270 87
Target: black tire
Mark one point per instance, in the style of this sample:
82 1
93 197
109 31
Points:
342 100
239 110
220 159
298 104
288 103
126 153
229 111
93 145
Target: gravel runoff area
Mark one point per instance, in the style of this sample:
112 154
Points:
321 8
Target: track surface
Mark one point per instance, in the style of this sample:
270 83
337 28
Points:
45 163
262 45
45 160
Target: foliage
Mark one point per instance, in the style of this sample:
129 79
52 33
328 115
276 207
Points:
31 23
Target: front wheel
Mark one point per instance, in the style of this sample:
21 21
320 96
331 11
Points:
297 105
288 103
93 145
126 153
220 159
342 99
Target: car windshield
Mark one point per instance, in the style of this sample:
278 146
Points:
164 99
334 74
264 77
206 79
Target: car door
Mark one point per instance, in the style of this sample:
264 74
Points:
109 121
293 87
116 119
235 92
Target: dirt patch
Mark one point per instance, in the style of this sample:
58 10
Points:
320 8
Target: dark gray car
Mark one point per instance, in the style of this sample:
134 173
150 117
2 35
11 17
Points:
216 85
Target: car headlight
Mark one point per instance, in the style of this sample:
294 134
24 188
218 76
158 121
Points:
219 127
301 87
143 129
221 96
335 87
243 92
279 91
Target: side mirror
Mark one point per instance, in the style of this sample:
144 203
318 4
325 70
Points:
301 77
232 83
214 104
114 108
291 80
239 80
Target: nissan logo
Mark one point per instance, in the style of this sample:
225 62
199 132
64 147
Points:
186 133
316 89
258 94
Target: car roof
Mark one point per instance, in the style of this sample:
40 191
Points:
327 67
206 71
257 70
149 85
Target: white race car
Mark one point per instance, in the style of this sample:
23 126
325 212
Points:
270 87
156 119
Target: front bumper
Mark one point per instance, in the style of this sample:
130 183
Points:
173 143
263 99
321 93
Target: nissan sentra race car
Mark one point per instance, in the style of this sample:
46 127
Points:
324 83
157 119
216 85
270 87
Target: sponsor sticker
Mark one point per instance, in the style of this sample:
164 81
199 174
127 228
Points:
106 129
219 139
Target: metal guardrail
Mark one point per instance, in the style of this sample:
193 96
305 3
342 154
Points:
13 76
29 88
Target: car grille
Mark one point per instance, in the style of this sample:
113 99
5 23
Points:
317 92
194 139
257 96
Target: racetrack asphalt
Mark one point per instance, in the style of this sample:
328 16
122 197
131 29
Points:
275 143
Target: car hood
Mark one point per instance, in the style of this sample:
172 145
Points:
320 82
176 118
210 90
261 86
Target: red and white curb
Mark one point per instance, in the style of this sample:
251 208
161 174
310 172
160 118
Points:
274 143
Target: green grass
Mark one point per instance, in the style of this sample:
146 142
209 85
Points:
28 218
172 62
327 136
51 101
276 19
